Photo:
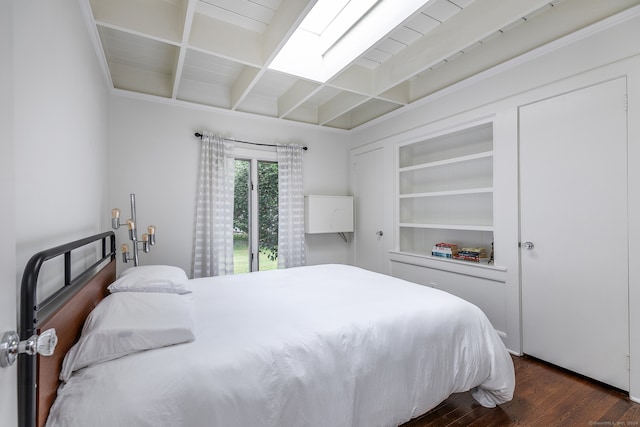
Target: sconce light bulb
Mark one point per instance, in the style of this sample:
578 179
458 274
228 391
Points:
124 249
146 244
115 213
131 224
151 229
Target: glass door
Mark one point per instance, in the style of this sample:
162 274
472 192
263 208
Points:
255 225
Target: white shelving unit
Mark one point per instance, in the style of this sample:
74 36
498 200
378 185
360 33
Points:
445 191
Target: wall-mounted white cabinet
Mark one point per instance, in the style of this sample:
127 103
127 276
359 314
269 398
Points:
328 214
445 191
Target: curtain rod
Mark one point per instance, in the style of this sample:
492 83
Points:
199 135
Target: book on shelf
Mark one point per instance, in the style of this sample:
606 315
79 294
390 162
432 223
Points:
441 254
467 258
444 250
481 252
451 251
471 254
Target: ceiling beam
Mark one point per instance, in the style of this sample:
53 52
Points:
188 13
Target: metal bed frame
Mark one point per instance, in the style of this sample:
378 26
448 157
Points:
34 314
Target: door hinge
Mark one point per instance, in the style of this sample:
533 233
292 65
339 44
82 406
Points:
628 363
626 102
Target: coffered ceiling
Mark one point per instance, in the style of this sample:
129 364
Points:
216 52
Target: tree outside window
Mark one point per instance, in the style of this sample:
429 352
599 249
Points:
267 211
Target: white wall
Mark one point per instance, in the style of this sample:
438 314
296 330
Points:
601 53
155 155
8 298
61 128
54 132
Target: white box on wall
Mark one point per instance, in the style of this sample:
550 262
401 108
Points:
328 214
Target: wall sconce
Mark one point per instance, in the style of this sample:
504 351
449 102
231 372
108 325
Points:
10 346
148 239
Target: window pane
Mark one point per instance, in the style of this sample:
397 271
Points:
241 247
267 216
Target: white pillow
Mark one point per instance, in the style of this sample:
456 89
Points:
152 278
129 322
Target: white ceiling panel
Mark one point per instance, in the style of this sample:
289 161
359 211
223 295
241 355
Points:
367 63
322 96
269 4
411 32
251 15
137 51
256 103
441 10
462 3
204 94
377 56
391 46
204 68
274 84
421 24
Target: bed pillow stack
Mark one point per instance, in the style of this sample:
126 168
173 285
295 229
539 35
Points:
147 309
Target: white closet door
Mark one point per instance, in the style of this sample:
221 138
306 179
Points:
573 186
369 210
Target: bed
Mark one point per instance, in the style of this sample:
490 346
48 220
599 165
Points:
325 345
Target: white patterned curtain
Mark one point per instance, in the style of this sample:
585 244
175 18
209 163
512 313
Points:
291 247
213 234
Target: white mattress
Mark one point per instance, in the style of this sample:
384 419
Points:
328 345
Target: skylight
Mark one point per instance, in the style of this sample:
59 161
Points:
336 32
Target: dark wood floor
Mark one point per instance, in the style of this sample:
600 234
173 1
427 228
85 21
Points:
545 396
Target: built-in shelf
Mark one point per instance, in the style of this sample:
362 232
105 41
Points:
476 269
448 226
445 191
488 190
461 159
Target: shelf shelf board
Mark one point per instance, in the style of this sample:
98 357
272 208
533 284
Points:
486 190
476 269
447 226
483 155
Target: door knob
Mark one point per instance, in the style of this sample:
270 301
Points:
11 346
527 245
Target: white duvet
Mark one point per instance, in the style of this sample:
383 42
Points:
328 345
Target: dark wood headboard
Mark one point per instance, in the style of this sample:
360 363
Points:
65 311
